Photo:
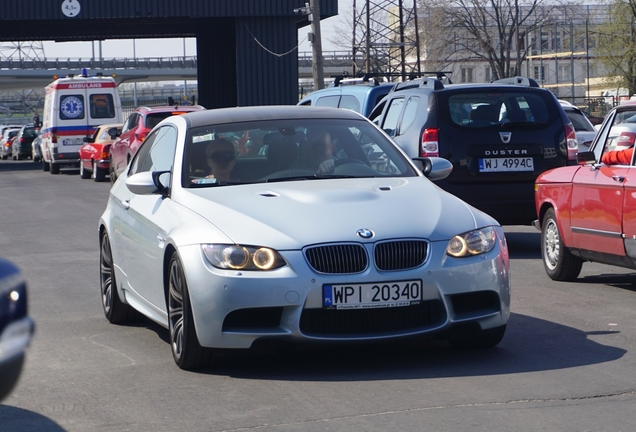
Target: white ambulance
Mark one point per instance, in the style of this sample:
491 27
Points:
74 106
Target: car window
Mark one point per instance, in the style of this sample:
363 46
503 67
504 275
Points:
131 122
289 149
496 109
392 116
138 160
72 107
102 106
329 101
153 119
410 112
161 155
350 102
579 121
618 138
377 112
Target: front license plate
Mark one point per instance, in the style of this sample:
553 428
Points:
372 295
72 141
506 164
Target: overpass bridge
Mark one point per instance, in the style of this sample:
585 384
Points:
31 74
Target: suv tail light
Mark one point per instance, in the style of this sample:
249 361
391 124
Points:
626 139
21 140
570 138
54 136
430 144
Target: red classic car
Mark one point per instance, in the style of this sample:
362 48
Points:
95 154
588 212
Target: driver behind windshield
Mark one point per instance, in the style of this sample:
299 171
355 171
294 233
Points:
221 158
320 152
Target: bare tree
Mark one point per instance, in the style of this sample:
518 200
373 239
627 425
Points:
494 31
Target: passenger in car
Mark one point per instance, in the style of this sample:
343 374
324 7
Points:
618 157
221 158
320 152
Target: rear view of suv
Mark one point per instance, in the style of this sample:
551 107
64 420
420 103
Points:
499 137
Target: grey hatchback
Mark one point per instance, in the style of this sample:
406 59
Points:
499 136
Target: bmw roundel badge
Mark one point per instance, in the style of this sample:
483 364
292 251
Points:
365 233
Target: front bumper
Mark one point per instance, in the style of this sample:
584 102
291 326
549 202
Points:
234 309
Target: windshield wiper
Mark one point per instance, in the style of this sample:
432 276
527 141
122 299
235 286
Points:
215 184
309 177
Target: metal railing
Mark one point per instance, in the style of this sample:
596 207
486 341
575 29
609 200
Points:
104 63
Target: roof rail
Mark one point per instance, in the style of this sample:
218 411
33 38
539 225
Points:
432 83
517 80
367 79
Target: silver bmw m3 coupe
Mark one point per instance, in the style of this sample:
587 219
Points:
296 224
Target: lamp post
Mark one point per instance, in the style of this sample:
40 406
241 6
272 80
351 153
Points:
312 10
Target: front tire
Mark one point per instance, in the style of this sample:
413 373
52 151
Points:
558 261
187 352
115 310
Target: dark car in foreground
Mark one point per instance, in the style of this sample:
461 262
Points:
499 136
16 327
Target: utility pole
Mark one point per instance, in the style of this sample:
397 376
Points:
316 42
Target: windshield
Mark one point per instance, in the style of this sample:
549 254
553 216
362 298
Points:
289 150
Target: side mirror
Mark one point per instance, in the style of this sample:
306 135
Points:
585 158
434 168
113 133
146 183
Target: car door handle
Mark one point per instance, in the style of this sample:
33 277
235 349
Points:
126 204
618 178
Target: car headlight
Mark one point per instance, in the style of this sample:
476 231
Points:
472 243
237 257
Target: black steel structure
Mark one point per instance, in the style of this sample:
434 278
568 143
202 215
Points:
385 33
245 48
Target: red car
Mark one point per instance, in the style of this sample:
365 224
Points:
588 212
135 130
95 154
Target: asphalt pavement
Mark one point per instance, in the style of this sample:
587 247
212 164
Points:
565 363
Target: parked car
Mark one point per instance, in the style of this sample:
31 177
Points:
224 249
585 212
498 136
585 131
16 327
135 130
36 148
22 142
95 154
6 142
357 94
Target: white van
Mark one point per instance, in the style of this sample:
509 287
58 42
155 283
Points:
74 106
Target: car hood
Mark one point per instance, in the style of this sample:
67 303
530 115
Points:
294 214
